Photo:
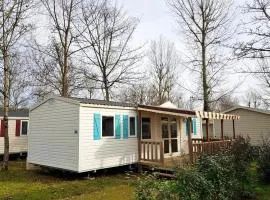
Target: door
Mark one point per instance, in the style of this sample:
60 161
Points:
169 135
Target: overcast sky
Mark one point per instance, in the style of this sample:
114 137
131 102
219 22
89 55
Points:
156 19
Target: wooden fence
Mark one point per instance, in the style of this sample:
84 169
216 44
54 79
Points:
151 152
201 148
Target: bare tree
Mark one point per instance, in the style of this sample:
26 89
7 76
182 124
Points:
49 72
12 28
256 45
206 26
106 33
163 61
225 103
57 56
138 94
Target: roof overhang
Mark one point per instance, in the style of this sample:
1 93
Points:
167 111
213 115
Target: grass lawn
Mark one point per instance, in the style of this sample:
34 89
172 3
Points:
18 183
262 190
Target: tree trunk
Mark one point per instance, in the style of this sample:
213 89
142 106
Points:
65 86
204 75
6 108
106 87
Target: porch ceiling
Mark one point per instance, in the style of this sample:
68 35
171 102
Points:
167 111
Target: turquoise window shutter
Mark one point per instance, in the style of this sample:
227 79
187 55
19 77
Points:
97 125
194 126
117 127
125 126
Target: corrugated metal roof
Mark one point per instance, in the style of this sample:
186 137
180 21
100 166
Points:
22 112
102 102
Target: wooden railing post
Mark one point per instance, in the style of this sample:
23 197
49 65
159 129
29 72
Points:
139 135
222 130
207 129
161 154
233 128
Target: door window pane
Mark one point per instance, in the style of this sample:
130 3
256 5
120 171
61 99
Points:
174 145
166 146
146 128
165 130
173 130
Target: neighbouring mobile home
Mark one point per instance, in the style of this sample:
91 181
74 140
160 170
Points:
254 123
18 122
84 135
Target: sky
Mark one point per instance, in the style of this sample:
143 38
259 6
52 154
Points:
156 20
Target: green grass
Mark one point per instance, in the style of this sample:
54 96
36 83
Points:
18 183
262 190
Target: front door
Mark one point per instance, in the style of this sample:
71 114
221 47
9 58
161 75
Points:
169 135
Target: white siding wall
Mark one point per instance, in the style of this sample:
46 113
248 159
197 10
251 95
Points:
253 124
16 144
52 138
106 152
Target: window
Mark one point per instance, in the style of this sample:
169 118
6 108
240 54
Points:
107 126
132 126
146 128
24 129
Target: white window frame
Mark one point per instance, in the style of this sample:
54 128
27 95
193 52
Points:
27 127
132 136
102 126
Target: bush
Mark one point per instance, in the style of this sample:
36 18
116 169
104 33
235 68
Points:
242 153
150 187
190 184
263 161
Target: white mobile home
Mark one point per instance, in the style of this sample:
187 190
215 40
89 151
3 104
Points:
84 135
18 121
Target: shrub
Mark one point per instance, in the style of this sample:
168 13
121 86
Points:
188 185
242 153
150 187
192 185
263 161
219 171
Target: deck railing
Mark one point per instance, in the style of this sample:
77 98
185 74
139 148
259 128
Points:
151 151
201 148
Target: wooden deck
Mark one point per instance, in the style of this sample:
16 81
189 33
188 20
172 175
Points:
152 155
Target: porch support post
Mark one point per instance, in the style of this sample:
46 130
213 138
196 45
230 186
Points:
139 134
222 130
233 129
190 147
207 129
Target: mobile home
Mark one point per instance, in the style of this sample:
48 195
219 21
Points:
84 135
18 122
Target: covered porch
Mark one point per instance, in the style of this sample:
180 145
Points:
171 136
